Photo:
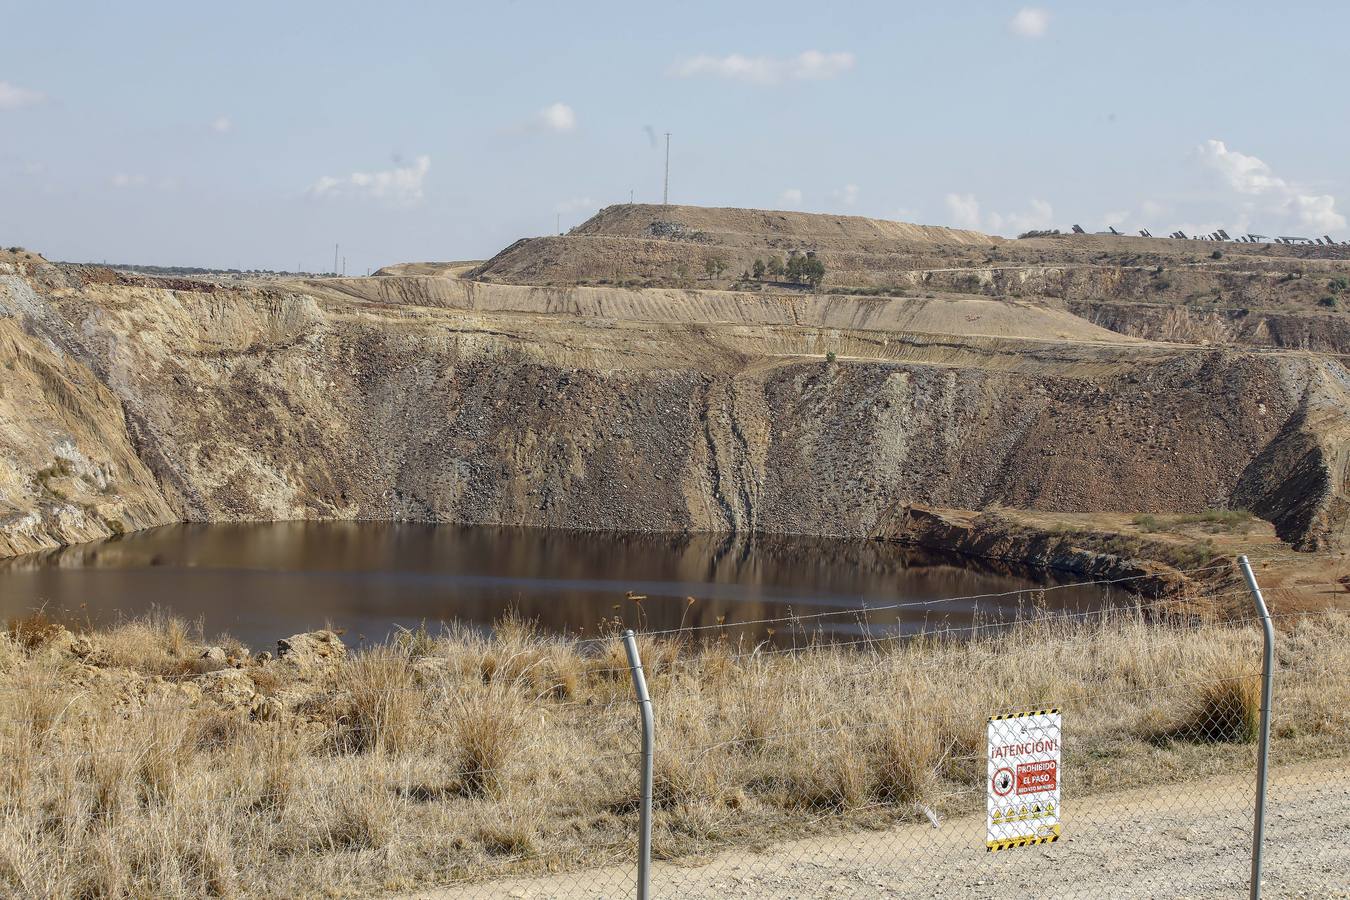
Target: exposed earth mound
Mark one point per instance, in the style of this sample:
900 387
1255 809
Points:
986 372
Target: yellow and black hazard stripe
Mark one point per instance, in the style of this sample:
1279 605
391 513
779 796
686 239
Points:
1009 843
1054 710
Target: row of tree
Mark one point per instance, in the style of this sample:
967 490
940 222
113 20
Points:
800 268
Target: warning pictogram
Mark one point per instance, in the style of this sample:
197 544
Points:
1024 758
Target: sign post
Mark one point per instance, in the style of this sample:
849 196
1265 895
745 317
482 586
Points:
1023 805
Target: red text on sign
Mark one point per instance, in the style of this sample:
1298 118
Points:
1034 777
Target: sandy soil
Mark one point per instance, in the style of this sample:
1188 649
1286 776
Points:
1182 841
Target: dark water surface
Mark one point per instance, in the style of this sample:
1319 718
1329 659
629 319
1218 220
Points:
262 582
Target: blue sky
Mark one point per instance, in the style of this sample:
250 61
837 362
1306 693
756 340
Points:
259 134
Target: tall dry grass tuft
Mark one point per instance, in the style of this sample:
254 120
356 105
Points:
488 724
906 759
155 644
822 776
1224 710
383 706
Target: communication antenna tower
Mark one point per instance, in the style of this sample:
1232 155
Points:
665 191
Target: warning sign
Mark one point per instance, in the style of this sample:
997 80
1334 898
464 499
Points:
1023 795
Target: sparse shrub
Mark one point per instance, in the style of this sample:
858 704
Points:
758 268
1338 284
1227 519
1147 523
1329 302
830 356
33 630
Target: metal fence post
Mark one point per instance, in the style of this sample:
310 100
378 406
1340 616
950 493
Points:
1263 746
648 748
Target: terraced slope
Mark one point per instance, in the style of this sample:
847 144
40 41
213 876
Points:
432 399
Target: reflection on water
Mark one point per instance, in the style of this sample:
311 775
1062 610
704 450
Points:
261 582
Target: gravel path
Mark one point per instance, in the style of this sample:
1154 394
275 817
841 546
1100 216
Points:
1189 840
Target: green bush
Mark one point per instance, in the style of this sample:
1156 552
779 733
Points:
1147 523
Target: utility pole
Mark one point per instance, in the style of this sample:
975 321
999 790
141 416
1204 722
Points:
630 196
335 259
665 191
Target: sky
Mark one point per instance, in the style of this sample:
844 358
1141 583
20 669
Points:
258 135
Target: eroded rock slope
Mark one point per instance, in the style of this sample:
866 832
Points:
424 398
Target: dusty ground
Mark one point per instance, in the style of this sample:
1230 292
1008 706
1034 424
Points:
1188 841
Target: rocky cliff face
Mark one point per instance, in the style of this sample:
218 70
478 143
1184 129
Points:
1322 333
68 469
325 401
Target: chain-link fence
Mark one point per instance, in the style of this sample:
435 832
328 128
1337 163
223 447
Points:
1084 755
1103 753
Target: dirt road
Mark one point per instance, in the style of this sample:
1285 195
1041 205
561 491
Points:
1179 841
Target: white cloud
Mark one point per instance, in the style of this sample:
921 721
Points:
401 185
790 198
1263 193
558 117
222 125
811 65
1318 213
848 194
14 97
1040 215
1245 174
1030 22
124 180
965 212
964 209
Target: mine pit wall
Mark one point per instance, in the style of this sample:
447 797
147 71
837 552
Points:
250 404
1321 333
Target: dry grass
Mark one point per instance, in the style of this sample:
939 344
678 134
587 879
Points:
438 757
